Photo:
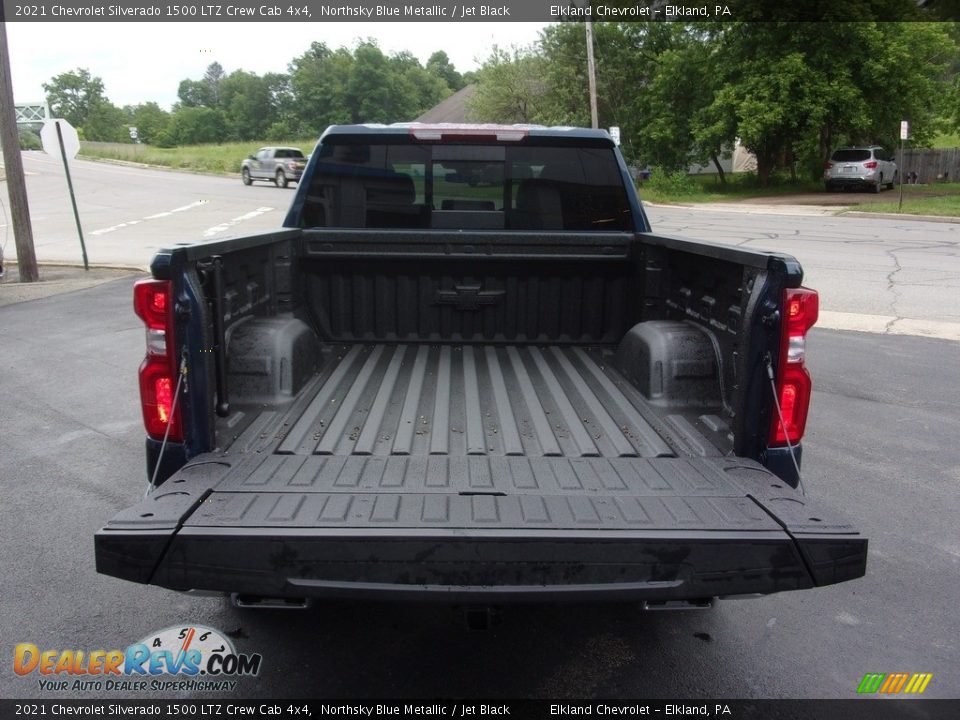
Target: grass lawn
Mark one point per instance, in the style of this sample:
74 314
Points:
939 199
741 186
202 158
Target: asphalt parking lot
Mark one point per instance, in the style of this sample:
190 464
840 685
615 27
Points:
881 446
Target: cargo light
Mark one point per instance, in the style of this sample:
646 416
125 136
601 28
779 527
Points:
801 306
469 133
152 301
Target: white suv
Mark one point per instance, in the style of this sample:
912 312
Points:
864 167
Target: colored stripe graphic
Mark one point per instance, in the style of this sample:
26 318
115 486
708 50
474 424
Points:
894 683
920 682
870 683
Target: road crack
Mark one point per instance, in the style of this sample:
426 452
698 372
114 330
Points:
893 289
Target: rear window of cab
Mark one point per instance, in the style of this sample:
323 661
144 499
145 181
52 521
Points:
442 186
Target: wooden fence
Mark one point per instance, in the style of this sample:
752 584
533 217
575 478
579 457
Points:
930 165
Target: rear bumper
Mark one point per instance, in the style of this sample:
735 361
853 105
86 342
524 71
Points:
855 182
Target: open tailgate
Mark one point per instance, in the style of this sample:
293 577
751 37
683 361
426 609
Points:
481 527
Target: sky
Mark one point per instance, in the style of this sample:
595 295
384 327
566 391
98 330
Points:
139 62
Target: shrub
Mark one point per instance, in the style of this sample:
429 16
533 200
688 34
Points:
672 183
29 140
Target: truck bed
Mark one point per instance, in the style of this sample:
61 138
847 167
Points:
476 471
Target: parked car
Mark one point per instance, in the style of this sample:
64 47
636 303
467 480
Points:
282 165
863 167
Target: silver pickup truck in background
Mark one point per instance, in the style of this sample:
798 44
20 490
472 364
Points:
282 165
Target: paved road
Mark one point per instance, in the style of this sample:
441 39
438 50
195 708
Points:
896 275
881 445
127 213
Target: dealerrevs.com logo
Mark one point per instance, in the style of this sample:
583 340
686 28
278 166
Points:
192 657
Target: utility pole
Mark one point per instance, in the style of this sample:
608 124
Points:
16 187
592 76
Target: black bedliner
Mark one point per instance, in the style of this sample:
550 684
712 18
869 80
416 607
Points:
476 472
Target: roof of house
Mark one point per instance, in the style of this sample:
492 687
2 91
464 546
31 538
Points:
451 110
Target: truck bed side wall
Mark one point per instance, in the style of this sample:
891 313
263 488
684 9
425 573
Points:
392 286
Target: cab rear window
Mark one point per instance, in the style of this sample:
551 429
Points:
470 186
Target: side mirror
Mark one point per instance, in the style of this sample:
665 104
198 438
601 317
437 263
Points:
251 157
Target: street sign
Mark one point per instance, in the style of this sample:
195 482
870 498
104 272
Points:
60 138
615 134
904 130
133 133
51 145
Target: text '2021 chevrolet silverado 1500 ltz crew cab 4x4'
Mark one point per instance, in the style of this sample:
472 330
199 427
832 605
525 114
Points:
467 370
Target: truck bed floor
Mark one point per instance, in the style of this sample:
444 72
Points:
466 472
452 400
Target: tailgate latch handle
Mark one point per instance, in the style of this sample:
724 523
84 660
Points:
469 297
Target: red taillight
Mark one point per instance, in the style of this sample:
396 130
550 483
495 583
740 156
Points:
870 165
153 303
827 165
800 309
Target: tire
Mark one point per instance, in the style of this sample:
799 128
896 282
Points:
878 187
896 179
281 179
245 176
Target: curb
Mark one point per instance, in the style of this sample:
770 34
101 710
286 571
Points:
840 212
75 264
781 210
902 216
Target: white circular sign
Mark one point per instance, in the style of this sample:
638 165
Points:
48 136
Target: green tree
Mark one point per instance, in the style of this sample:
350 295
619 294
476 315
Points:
213 78
318 81
510 88
204 92
196 125
72 95
786 91
619 74
426 88
105 122
247 105
375 91
193 93
439 65
329 87
285 121
150 120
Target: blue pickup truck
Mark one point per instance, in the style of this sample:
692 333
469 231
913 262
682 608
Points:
467 370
